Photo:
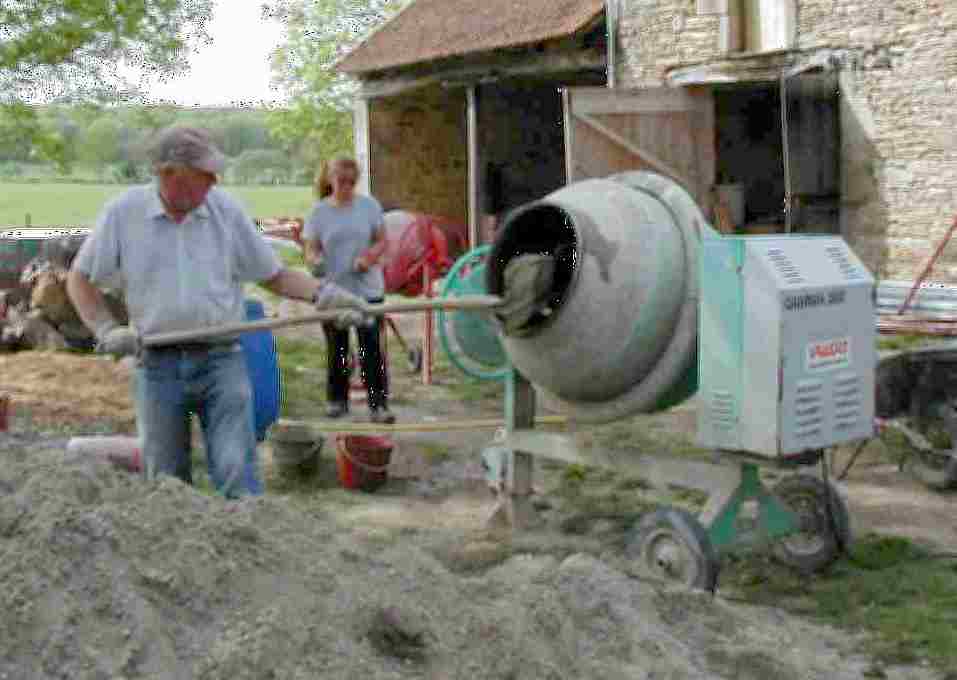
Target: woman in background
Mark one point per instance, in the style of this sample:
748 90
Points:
346 233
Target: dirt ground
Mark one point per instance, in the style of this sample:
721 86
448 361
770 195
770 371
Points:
105 576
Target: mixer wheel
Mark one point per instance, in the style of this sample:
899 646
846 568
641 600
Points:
824 521
671 544
935 468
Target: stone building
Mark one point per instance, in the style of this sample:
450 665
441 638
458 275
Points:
800 115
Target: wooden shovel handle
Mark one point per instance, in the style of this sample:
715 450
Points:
477 303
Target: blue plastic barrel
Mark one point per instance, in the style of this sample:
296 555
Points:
259 348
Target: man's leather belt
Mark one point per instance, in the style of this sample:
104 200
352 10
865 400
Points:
193 347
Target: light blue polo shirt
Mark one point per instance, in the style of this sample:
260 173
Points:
177 276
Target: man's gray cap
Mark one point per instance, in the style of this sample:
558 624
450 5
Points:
190 146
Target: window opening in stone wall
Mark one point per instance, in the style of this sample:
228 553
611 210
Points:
753 25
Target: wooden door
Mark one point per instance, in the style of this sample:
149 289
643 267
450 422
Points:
666 130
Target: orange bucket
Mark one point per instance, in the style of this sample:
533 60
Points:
363 461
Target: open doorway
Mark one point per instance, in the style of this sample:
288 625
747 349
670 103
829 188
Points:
757 178
520 147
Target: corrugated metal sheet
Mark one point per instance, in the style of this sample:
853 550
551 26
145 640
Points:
933 311
932 300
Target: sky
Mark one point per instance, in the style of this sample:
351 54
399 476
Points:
234 70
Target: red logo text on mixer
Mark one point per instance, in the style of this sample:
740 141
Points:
824 355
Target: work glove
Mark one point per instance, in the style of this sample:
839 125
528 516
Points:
120 341
330 296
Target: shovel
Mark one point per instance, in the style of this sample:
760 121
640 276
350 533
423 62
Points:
476 303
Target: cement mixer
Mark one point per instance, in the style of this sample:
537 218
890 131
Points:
631 303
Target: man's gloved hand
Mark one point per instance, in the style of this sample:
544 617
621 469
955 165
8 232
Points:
330 296
348 318
120 341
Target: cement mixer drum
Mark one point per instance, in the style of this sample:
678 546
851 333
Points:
617 332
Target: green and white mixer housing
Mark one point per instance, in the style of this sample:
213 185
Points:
648 306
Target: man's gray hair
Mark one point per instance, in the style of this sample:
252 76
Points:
181 145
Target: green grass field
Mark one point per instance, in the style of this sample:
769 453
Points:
77 205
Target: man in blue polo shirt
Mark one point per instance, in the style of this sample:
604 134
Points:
183 248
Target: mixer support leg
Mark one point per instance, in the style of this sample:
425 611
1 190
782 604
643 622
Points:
515 503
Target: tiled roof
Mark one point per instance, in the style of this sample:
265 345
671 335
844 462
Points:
428 30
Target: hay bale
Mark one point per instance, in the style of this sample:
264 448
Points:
50 297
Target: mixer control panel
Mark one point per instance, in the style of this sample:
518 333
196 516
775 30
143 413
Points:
787 345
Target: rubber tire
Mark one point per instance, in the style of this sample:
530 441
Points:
943 479
838 530
683 529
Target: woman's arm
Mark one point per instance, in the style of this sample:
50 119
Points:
312 253
293 284
371 256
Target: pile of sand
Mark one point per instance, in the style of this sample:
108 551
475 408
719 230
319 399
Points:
105 576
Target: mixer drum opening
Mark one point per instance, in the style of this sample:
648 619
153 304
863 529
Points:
599 284
532 266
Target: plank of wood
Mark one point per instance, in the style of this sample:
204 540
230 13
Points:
346 427
476 303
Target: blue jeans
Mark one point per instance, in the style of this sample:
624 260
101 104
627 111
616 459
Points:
172 384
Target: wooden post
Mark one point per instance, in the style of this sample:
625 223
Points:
785 155
568 122
514 506
474 179
428 329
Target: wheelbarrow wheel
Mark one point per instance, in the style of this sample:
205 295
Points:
825 528
671 544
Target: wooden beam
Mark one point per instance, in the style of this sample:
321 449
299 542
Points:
597 100
765 67
545 66
346 427
394 87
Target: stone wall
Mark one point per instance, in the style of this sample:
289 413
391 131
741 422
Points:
655 35
899 121
419 152
898 108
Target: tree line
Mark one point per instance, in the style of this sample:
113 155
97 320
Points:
63 106
110 143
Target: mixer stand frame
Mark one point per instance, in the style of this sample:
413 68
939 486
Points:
741 511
